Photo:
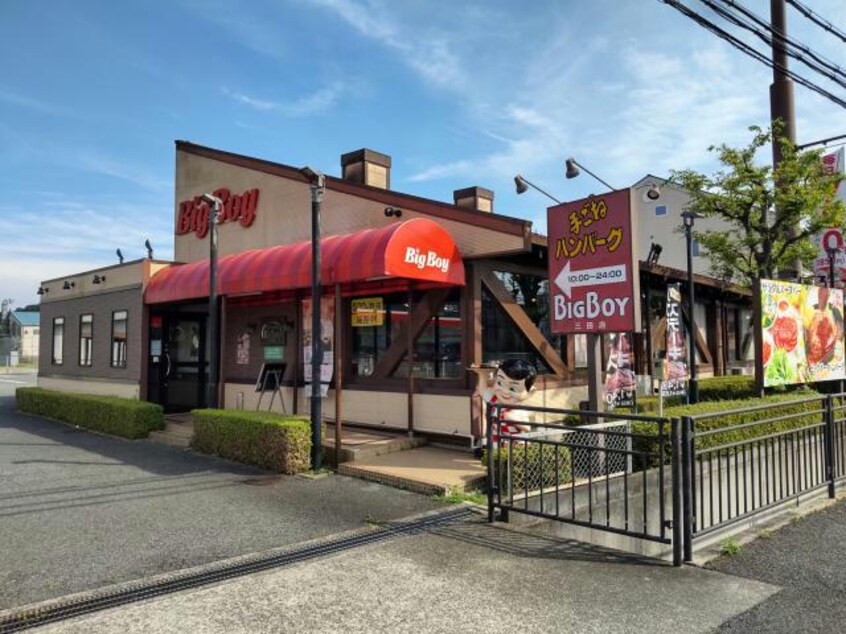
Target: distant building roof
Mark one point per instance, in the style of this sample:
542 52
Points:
26 318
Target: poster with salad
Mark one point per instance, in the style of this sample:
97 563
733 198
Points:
802 333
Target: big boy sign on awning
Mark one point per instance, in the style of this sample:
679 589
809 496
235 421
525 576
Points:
593 274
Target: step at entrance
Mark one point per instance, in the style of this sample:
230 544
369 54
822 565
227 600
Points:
426 470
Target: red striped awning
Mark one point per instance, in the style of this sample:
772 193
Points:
417 249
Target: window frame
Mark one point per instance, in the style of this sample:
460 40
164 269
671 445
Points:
125 340
60 321
90 356
664 211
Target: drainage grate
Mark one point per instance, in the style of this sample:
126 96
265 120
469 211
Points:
60 609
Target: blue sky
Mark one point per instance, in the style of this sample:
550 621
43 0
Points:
94 92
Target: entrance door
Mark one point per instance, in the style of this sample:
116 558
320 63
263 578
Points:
178 371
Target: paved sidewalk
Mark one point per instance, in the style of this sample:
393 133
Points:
470 577
807 559
80 510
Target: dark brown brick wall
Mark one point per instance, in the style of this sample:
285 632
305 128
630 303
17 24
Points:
101 306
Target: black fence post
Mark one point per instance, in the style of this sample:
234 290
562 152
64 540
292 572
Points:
687 485
489 417
675 441
830 453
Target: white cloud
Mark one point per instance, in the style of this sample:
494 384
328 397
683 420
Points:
23 101
427 50
258 104
54 237
91 161
316 102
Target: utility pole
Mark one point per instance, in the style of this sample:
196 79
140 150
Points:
781 102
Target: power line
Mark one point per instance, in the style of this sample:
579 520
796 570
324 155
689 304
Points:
818 20
751 52
790 44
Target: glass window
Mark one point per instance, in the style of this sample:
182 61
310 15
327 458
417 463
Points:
35 331
501 339
119 321
58 340
437 351
86 339
661 210
370 342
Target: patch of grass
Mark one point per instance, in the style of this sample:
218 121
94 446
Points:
454 495
767 533
730 547
316 475
374 521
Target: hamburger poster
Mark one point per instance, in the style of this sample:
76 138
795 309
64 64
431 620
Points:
802 339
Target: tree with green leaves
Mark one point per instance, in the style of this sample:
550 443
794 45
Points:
774 214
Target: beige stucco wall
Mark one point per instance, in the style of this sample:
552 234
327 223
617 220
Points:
91 386
29 342
433 413
117 277
662 229
283 213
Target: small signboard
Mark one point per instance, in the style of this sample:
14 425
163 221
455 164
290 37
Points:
593 266
367 311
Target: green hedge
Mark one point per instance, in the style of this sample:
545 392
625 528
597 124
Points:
779 407
263 439
526 466
717 388
108 414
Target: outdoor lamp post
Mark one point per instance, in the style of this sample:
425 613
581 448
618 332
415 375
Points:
317 183
594 341
215 204
693 392
521 185
574 169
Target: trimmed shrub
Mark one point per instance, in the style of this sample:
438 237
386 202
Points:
108 414
806 414
526 467
716 388
266 440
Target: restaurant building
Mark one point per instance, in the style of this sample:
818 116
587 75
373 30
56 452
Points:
417 296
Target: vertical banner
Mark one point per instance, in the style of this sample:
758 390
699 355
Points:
327 330
619 374
675 360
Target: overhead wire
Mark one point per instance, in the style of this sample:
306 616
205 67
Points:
752 52
817 19
832 71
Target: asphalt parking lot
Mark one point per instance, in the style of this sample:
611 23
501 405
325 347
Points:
80 510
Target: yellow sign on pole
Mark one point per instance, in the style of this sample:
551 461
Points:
367 311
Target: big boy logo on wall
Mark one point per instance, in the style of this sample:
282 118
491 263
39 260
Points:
592 266
194 214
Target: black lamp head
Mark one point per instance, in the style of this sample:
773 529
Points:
119 253
149 248
572 168
520 185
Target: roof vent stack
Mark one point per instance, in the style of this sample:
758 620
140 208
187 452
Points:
477 198
367 167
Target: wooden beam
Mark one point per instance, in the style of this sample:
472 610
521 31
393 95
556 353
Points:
425 309
525 325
